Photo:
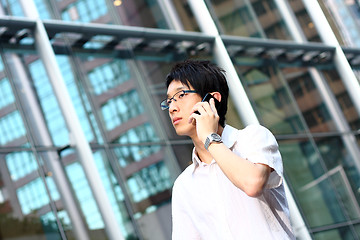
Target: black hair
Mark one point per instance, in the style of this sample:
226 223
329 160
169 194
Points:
204 77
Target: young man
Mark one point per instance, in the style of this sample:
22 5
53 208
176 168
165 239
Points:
234 187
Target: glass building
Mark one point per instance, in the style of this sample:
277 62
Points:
86 152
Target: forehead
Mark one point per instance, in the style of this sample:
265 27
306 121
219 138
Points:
175 86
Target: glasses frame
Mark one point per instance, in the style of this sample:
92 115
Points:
163 103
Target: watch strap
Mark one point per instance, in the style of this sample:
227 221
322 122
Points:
212 137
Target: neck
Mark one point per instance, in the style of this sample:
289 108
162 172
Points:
203 154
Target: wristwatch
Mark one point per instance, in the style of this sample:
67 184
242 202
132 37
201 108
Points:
213 137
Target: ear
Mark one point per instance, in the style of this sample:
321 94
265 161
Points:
216 95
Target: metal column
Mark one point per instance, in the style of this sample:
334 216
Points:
237 92
325 91
43 138
239 96
342 65
78 139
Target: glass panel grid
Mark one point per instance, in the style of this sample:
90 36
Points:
11 127
121 109
108 76
20 164
32 196
7 95
85 10
83 192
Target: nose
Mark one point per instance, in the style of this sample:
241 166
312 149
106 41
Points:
173 106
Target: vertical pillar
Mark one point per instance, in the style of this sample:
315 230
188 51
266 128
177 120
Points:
42 137
79 141
241 100
322 86
28 100
237 92
342 65
170 14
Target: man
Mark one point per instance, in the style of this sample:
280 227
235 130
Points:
234 187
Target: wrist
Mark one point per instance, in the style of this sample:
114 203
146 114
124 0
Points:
211 138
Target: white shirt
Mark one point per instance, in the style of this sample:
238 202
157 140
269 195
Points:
207 206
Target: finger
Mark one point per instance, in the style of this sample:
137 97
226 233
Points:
210 107
213 106
193 117
199 108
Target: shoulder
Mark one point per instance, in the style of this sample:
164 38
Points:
257 133
255 128
252 135
184 177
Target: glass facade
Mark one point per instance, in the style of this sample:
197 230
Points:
115 80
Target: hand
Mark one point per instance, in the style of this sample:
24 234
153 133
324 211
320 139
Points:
207 121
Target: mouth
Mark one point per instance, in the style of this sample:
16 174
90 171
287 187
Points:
176 120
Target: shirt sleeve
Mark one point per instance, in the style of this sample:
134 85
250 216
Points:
182 226
262 147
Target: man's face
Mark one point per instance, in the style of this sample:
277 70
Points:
181 106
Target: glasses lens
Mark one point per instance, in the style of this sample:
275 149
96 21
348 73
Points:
164 104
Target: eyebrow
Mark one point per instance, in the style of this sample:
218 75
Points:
177 90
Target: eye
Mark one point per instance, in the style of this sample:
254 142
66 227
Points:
168 101
182 94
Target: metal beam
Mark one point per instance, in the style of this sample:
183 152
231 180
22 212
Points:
165 45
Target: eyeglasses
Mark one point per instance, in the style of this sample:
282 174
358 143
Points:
165 104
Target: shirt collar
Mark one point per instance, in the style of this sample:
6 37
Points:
228 137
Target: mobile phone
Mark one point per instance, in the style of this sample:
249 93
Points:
207 98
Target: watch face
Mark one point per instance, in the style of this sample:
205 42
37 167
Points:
216 137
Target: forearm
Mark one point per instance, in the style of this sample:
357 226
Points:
249 177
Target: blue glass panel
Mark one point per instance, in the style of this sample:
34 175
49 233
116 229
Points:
20 164
52 188
11 127
113 191
149 181
42 9
83 192
85 11
15 8
32 196
52 112
50 219
133 153
108 76
50 107
78 100
120 109
6 93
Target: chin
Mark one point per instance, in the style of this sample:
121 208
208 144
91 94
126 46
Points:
186 130
180 132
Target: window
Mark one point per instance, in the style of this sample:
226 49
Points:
259 8
317 116
149 181
20 164
84 195
129 154
6 96
121 108
11 127
108 76
344 100
32 196
85 10
49 104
